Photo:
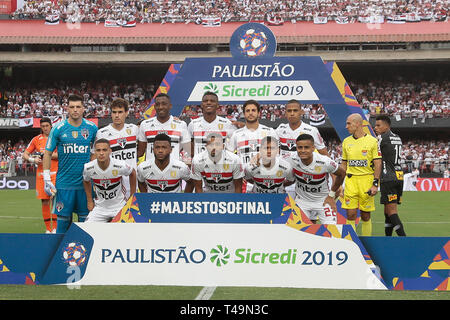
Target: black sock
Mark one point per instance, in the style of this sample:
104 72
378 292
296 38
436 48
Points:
398 226
388 226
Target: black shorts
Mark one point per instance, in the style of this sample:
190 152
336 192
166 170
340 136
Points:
391 192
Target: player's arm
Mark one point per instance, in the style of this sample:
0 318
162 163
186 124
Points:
323 151
132 180
237 185
88 189
198 186
142 145
142 187
377 163
189 188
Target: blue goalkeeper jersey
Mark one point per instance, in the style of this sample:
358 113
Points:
74 150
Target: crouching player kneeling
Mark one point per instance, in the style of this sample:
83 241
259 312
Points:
105 174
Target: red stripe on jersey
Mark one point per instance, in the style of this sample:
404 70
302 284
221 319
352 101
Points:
130 138
261 180
314 176
169 182
203 133
110 180
168 132
285 140
223 174
245 143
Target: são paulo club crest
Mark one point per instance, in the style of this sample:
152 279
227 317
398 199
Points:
253 40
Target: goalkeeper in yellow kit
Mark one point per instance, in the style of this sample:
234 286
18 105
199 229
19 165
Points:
361 157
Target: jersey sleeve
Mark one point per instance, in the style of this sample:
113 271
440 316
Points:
195 169
375 151
248 171
185 173
238 170
344 151
86 175
230 144
185 134
31 146
139 173
141 133
318 141
52 139
289 171
331 165
125 169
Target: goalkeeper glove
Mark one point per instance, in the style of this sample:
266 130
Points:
49 188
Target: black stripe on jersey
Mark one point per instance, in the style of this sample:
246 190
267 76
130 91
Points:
313 182
221 181
110 187
127 146
166 189
272 187
286 148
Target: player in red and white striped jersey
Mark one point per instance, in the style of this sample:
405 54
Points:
288 132
163 123
121 136
270 172
105 174
311 171
162 173
216 169
246 141
210 122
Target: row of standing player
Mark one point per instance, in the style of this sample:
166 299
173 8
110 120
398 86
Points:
122 139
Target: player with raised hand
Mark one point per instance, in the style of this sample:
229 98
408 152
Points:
311 171
165 123
270 173
210 122
33 154
122 138
73 139
391 178
105 174
162 173
216 169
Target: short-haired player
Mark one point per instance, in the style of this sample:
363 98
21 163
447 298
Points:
311 172
105 174
163 173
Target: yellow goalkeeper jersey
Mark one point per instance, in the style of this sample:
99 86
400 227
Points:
360 153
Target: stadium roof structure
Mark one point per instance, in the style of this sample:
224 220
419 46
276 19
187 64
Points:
37 32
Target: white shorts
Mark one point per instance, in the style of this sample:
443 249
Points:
316 211
101 214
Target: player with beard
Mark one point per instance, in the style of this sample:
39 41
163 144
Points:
246 141
162 173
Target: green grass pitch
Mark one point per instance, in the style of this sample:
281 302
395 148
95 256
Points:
424 214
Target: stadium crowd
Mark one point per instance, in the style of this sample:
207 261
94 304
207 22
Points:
404 99
50 100
228 10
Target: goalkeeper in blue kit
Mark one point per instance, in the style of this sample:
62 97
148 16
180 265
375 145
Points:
73 139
